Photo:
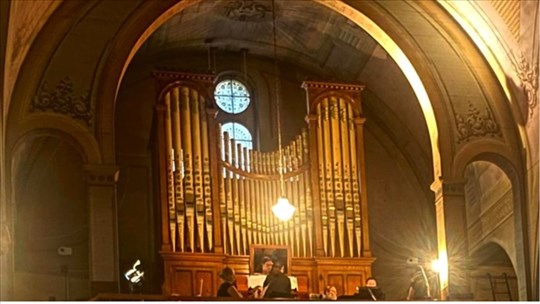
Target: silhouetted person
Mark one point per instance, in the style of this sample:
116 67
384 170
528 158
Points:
277 284
418 289
228 287
372 287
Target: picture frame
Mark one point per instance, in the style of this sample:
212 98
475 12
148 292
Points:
257 252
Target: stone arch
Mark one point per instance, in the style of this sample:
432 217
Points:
492 259
52 125
518 208
154 16
147 17
48 209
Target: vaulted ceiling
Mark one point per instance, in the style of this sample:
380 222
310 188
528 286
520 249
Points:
311 36
307 34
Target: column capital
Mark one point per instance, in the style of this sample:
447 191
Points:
359 120
311 118
104 175
450 186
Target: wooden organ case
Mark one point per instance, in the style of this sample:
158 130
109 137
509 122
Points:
214 205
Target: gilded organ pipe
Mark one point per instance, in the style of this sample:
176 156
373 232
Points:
222 192
207 179
197 168
170 174
322 176
241 199
178 172
335 108
329 177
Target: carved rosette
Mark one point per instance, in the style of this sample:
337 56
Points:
476 124
62 100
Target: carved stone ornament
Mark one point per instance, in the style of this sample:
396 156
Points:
476 124
246 10
62 100
528 75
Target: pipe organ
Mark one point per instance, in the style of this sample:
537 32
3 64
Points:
215 195
249 186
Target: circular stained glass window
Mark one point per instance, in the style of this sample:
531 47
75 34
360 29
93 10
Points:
232 96
240 133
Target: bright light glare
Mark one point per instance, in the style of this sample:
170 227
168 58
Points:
436 265
283 210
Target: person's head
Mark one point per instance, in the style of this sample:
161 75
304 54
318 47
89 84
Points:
227 274
277 267
330 292
267 265
371 282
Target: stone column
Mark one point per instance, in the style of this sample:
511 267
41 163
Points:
452 240
103 241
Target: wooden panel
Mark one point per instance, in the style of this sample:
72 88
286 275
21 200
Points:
184 271
204 279
352 282
336 280
182 285
242 282
303 283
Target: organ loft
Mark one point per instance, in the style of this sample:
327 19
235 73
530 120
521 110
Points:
175 149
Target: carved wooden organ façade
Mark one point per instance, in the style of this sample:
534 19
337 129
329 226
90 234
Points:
214 205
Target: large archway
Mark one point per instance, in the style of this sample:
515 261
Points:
108 65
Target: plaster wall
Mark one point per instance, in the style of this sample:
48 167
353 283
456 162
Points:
50 211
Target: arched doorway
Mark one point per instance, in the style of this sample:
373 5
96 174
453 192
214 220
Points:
493 240
493 277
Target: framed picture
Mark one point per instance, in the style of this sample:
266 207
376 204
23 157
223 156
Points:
260 254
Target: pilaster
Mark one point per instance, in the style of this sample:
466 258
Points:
104 269
452 239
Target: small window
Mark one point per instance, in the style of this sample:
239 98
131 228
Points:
232 96
240 133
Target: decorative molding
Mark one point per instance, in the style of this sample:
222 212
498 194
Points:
165 78
476 124
528 75
170 75
354 87
99 175
453 188
247 10
62 100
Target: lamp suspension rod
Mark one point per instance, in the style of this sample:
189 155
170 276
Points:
244 62
281 181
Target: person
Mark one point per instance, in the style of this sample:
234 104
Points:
228 287
371 282
419 288
266 266
329 293
277 284
369 292
375 293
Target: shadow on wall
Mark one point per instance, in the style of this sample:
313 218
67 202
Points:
51 247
